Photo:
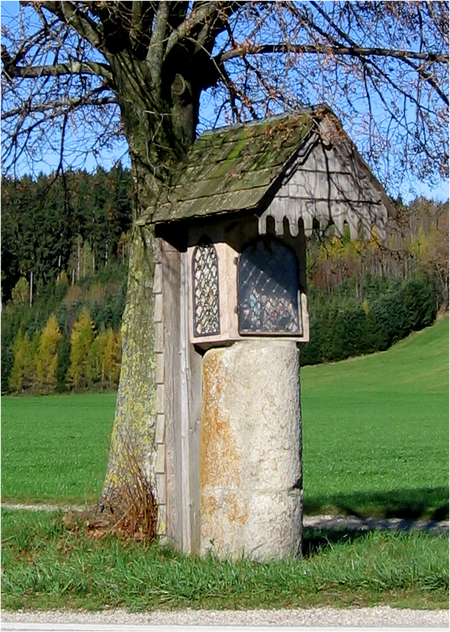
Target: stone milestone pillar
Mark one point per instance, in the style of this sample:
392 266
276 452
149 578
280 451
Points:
250 459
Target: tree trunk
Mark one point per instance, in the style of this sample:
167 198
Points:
157 141
134 426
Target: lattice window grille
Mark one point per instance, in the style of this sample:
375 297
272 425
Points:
205 272
268 289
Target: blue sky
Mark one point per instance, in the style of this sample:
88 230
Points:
9 9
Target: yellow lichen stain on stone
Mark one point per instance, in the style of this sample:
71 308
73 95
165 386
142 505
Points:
223 508
209 503
224 514
213 529
236 509
219 459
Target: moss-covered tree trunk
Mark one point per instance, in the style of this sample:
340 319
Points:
157 143
134 426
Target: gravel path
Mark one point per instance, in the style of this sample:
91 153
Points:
383 616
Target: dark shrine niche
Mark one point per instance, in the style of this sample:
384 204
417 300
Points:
268 289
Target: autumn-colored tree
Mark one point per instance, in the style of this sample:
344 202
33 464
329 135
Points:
105 359
112 359
96 357
81 341
62 278
47 357
23 374
333 261
433 257
21 292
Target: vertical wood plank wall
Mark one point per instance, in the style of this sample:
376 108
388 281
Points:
184 410
193 422
180 515
170 261
160 465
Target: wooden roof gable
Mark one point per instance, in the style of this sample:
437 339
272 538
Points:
243 168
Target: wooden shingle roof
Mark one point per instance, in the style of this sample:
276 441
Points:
243 168
231 169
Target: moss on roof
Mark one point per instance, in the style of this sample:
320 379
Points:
231 169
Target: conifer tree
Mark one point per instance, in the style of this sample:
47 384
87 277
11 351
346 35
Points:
47 357
17 373
81 340
23 373
96 358
112 359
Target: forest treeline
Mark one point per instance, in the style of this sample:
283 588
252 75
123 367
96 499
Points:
363 296
64 270
70 224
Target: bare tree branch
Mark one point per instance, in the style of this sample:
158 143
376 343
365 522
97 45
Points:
382 66
91 99
201 16
355 51
57 70
69 13
155 53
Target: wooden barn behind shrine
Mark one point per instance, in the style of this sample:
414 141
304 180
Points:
230 312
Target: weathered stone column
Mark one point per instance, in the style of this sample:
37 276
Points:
250 462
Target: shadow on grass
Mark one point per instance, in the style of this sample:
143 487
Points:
317 540
427 503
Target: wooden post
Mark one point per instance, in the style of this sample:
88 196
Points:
170 259
184 410
182 407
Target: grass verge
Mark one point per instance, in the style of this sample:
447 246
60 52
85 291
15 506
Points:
45 566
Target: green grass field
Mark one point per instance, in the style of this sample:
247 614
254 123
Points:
375 430
44 566
55 448
375 435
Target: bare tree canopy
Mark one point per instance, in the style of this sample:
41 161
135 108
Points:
72 66
79 76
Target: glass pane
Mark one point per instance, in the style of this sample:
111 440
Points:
268 289
206 290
